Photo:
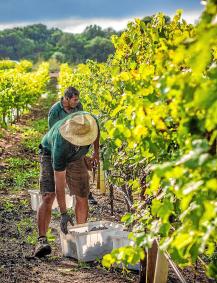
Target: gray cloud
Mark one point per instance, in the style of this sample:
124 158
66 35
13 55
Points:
13 11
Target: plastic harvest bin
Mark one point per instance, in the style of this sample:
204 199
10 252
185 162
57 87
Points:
36 200
120 239
85 245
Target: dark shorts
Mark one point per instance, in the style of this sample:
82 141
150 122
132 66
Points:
77 177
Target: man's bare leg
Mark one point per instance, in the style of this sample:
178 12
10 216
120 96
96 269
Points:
81 210
44 213
44 216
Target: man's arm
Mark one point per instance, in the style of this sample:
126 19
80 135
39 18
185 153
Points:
60 180
96 149
60 177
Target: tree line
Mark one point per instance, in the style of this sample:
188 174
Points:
37 43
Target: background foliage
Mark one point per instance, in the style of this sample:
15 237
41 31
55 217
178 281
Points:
20 87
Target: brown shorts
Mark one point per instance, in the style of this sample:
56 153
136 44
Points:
77 176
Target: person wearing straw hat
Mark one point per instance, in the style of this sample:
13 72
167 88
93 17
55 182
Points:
62 153
69 103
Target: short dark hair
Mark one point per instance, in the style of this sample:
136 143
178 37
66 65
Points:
70 92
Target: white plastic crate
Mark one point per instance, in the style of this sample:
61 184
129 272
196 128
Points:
86 245
120 239
36 199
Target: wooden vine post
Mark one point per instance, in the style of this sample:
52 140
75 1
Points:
154 268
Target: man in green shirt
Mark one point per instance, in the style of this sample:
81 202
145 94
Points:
62 152
68 104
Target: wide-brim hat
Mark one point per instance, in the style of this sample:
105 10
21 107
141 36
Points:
80 130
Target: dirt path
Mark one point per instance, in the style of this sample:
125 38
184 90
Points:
19 173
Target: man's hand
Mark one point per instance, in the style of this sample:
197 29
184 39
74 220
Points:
95 156
65 218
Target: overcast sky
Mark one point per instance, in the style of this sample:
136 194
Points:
75 15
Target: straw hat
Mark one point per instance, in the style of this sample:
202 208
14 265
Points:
80 130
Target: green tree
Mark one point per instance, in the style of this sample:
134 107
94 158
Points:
92 31
98 49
